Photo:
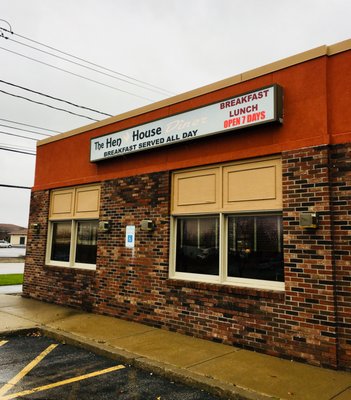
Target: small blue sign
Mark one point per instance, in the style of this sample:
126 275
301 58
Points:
130 236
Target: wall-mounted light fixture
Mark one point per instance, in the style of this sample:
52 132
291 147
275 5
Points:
147 225
104 226
35 228
308 220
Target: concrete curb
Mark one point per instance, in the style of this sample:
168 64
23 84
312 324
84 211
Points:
20 331
181 375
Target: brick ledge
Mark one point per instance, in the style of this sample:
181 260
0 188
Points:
222 288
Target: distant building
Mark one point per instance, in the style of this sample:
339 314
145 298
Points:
19 238
15 234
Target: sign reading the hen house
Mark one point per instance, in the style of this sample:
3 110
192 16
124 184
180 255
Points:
258 107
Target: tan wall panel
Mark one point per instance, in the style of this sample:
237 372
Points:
252 186
196 191
61 204
81 202
243 186
87 202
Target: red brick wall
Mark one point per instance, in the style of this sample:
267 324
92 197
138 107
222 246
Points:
71 287
309 271
300 323
131 283
341 206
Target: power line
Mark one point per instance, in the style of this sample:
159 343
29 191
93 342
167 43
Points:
47 105
31 126
147 87
16 151
80 59
52 97
20 136
14 186
10 31
24 130
3 29
96 65
89 62
77 75
16 147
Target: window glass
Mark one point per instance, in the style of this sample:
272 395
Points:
255 247
61 240
86 242
198 245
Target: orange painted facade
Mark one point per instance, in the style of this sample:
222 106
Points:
317 100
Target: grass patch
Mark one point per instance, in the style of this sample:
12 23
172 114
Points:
11 279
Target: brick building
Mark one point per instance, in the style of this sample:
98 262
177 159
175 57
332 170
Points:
222 213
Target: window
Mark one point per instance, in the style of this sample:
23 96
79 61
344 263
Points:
227 224
73 227
86 242
197 245
61 241
77 236
254 248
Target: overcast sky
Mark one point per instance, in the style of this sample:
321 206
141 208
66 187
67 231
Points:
175 45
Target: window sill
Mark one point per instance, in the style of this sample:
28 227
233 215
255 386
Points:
228 289
61 268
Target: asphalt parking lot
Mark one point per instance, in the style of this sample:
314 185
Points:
36 367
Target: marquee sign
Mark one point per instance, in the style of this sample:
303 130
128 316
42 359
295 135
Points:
258 107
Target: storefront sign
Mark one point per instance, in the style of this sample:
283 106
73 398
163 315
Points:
259 107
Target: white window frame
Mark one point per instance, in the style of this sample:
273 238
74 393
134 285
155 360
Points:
222 277
73 246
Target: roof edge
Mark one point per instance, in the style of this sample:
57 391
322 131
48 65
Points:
251 74
339 47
